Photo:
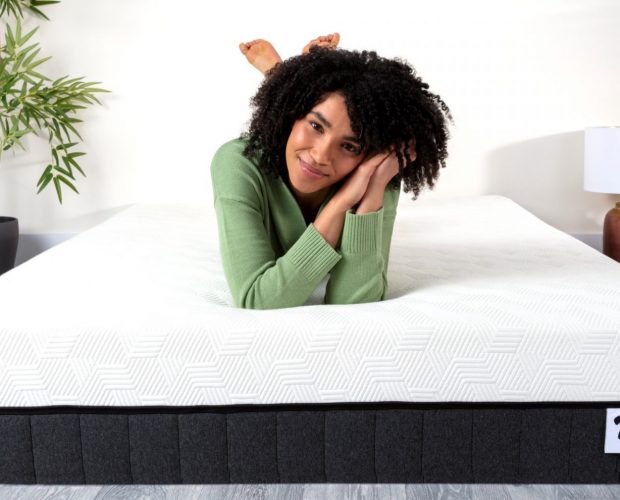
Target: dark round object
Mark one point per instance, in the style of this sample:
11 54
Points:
9 236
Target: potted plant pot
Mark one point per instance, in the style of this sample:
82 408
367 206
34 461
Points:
9 236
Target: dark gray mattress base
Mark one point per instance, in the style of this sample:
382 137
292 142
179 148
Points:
341 443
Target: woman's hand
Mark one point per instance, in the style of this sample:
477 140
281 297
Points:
357 183
372 200
389 167
330 221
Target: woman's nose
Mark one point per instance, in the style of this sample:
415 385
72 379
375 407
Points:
320 152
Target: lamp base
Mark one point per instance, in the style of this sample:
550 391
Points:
611 233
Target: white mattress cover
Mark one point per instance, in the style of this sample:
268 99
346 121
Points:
486 303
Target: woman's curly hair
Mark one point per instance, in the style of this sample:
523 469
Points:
388 106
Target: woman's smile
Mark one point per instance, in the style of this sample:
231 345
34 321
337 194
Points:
311 171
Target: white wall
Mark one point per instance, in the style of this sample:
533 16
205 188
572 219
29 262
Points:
522 77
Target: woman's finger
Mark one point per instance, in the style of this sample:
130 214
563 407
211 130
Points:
376 159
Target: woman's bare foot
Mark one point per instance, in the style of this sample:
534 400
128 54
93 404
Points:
328 41
261 54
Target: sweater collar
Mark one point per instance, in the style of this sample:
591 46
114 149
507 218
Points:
288 217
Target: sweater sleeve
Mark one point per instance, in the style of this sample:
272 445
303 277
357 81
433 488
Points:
257 278
361 274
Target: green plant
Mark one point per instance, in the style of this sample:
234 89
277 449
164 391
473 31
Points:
15 7
32 102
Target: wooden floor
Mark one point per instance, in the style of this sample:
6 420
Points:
315 492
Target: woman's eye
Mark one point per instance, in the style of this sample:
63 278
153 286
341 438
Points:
316 126
351 148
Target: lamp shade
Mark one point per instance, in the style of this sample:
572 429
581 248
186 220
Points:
601 172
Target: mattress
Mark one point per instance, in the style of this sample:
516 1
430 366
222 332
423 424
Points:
486 303
363 443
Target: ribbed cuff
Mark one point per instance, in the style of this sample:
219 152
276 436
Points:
312 255
362 233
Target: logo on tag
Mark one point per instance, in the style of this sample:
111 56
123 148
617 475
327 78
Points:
612 431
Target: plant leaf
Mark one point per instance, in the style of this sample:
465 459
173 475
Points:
58 190
47 171
44 181
68 183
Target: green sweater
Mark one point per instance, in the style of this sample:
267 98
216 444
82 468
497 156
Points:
272 259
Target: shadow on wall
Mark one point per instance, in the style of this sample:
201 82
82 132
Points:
545 176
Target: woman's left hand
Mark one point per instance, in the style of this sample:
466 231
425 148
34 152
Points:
385 172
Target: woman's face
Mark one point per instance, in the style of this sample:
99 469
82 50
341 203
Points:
321 149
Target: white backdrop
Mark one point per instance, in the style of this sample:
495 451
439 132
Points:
522 77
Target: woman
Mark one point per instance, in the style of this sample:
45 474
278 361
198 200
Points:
312 187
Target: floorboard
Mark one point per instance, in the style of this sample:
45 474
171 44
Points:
314 492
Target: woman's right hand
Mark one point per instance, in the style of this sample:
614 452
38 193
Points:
356 184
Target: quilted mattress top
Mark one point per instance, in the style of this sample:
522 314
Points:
485 303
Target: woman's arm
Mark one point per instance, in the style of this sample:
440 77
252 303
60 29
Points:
361 274
331 219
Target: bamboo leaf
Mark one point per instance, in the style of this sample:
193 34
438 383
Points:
19 143
18 30
38 75
28 64
58 191
58 82
39 12
26 78
35 4
45 177
66 181
3 64
20 133
58 168
67 125
79 169
46 181
68 164
10 39
28 36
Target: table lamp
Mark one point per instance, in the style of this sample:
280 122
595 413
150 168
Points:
602 175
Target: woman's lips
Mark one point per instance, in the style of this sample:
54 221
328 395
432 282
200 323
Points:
309 171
